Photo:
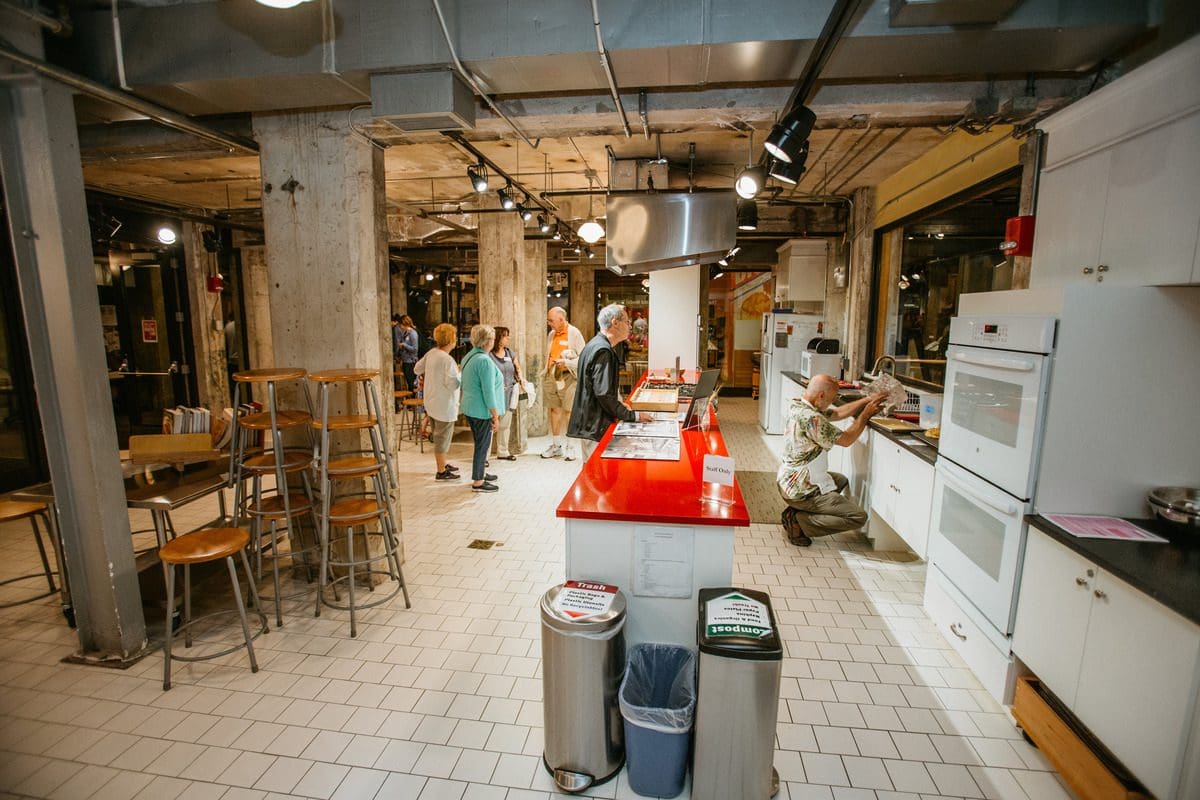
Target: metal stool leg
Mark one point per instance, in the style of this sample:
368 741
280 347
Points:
275 575
167 640
241 608
37 537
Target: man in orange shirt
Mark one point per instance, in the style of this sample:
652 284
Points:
564 343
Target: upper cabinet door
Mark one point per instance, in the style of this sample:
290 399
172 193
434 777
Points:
1153 206
1070 221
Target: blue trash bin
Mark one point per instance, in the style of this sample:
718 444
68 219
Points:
658 705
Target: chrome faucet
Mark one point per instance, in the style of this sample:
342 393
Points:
879 363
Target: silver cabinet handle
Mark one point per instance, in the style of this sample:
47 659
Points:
1088 270
1091 573
1102 268
1100 593
956 629
1081 582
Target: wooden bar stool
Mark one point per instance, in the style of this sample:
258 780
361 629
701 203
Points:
358 510
202 547
411 414
13 510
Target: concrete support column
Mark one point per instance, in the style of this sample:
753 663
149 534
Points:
533 348
862 260
326 247
47 213
208 322
256 300
501 271
583 299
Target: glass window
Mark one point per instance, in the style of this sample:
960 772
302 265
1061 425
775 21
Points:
974 532
988 407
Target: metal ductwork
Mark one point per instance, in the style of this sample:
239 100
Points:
929 13
649 232
423 101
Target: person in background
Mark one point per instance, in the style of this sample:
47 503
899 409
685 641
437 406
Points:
597 401
482 402
816 506
409 344
510 370
441 380
564 342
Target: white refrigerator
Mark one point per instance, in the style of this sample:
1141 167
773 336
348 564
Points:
784 337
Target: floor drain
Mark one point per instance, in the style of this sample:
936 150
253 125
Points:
484 544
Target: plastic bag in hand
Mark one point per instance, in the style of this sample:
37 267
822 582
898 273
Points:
892 390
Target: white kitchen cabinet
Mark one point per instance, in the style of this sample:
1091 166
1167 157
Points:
1070 218
901 492
801 270
1123 663
854 462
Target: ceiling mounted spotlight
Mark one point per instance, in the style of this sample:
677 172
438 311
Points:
557 234
167 235
591 253
750 182
747 215
578 249
788 173
429 276
524 210
543 223
280 3
789 136
507 202
716 272
478 175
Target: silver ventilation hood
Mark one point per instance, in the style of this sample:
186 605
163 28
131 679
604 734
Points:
648 232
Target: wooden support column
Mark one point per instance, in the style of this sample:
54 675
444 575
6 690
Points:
533 348
256 296
208 322
861 257
583 298
1021 265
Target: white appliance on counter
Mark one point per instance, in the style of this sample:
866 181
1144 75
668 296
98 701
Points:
784 337
814 363
997 380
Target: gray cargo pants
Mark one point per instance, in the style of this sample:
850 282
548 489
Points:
829 512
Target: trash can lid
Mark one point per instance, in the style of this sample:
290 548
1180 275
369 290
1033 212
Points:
583 607
738 623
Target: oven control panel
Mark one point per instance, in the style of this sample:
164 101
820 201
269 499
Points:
1025 334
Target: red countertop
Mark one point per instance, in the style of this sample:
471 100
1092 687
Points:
668 492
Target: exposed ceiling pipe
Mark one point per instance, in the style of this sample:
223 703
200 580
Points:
60 25
643 114
470 79
165 116
604 62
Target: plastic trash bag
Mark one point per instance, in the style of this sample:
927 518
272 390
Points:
893 392
659 689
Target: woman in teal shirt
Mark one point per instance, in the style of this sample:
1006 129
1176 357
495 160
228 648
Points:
482 402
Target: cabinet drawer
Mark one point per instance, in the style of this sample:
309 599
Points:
966 633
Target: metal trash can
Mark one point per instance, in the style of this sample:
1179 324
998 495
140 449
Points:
583 661
658 702
741 660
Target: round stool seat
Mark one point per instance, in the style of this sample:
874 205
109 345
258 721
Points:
265 375
353 466
294 460
338 375
18 509
261 421
413 402
347 422
205 545
271 508
402 393
354 511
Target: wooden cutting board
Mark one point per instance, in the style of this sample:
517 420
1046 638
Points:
895 424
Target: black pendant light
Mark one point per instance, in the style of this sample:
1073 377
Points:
790 135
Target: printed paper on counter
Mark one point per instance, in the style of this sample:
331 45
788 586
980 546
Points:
580 599
735 614
1087 527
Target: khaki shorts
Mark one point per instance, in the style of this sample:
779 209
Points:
440 433
558 398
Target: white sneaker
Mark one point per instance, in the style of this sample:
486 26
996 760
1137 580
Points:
568 453
553 451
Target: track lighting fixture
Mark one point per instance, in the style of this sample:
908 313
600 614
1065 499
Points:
789 136
543 223
478 176
167 235
750 182
524 210
429 276
716 272
280 3
557 234
591 253
507 202
788 173
747 215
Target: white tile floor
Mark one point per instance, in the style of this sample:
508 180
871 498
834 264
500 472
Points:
443 701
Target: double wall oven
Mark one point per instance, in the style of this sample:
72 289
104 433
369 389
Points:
996 386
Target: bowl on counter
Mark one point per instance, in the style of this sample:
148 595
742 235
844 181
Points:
1176 503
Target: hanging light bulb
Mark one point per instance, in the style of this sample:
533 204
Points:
167 235
591 231
429 276
280 3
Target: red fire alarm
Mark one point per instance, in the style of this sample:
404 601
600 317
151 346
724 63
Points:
1018 236
216 282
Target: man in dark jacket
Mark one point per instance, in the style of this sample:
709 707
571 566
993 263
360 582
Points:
597 400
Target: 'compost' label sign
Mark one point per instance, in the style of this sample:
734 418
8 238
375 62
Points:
737 615
579 599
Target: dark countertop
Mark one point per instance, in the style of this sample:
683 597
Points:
1169 573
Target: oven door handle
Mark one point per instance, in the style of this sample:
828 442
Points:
997 362
1007 509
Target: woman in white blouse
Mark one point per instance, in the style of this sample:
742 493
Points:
441 381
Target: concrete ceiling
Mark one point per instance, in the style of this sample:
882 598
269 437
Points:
714 76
